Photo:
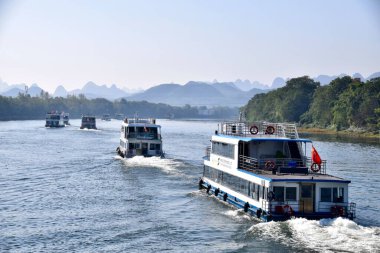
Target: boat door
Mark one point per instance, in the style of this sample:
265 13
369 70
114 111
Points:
307 197
144 147
243 151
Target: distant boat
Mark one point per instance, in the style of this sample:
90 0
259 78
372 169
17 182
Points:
119 116
106 117
140 137
54 119
88 122
66 119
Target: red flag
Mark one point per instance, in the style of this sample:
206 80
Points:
315 156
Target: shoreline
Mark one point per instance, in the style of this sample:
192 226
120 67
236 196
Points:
344 133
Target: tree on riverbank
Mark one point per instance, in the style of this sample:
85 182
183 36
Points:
283 104
25 107
343 104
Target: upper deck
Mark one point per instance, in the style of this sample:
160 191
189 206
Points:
140 121
270 150
141 129
259 130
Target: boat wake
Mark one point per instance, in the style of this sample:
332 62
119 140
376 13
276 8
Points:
326 235
90 130
165 164
238 214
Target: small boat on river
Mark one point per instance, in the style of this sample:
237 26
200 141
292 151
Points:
54 119
106 117
140 137
88 122
66 119
262 168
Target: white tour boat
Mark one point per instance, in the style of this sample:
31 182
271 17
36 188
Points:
54 119
106 117
140 137
88 122
66 119
263 168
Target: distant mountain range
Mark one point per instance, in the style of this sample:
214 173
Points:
90 90
197 93
193 93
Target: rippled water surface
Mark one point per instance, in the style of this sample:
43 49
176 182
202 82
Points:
64 190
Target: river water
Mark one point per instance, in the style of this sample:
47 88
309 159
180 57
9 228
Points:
64 190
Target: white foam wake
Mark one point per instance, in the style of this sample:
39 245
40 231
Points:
326 235
237 214
164 164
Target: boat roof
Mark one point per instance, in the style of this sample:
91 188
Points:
137 122
140 125
235 139
287 177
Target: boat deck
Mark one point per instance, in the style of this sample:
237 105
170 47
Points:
294 176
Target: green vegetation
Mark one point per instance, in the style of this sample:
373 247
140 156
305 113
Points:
25 107
343 104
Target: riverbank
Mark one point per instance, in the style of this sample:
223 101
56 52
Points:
344 133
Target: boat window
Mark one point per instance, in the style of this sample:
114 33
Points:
340 197
152 146
332 194
279 193
326 194
264 193
291 193
235 183
158 146
306 191
253 191
223 149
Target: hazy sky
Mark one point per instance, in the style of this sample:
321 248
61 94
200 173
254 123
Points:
144 43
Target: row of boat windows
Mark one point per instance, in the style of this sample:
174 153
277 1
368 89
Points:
223 149
237 184
152 146
282 194
332 194
140 129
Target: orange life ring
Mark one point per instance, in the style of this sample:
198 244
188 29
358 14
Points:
315 167
254 130
269 165
270 130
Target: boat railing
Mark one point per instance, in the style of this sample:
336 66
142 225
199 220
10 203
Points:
143 136
140 120
281 165
338 209
261 129
284 207
207 153
248 163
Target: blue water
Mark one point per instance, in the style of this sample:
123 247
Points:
64 190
